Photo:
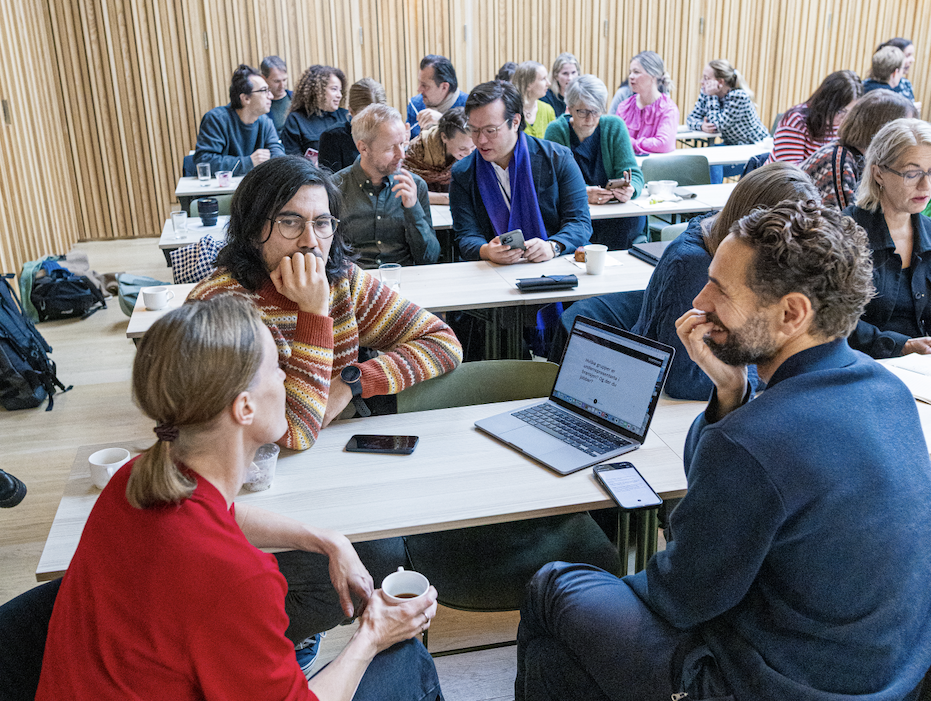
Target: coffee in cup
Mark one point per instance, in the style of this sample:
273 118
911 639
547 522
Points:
404 585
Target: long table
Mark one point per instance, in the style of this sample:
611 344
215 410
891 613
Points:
468 285
458 477
721 155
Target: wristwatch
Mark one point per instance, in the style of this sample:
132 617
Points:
352 376
557 248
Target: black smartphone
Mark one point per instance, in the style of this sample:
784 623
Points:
395 445
626 486
514 239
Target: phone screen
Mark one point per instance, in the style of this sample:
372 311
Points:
626 486
400 445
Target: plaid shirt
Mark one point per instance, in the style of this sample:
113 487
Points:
735 117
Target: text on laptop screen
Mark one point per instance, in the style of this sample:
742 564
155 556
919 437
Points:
610 376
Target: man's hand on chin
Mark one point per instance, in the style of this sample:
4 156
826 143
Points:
301 277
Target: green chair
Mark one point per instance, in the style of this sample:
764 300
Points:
672 231
223 203
686 169
486 568
776 122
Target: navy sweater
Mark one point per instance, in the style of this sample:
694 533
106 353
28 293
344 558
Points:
802 550
224 140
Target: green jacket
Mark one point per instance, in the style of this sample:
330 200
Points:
617 154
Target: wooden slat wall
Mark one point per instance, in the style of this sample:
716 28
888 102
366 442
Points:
124 83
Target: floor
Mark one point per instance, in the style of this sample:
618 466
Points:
95 357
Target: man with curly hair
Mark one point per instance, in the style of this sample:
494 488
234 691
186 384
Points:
800 559
239 135
315 107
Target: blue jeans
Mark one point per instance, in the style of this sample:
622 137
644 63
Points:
403 672
584 634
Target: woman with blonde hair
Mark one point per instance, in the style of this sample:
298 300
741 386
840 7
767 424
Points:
532 82
651 116
725 106
565 69
894 189
168 595
315 107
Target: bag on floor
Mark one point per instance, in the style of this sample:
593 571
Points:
60 294
27 375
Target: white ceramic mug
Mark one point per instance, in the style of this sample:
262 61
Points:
595 256
404 585
104 464
156 298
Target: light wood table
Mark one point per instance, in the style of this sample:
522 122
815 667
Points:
191 187
721 155
195 230
143 318
456 478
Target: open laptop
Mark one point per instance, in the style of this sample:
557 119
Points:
601 405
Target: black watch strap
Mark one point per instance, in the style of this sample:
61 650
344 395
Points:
352 376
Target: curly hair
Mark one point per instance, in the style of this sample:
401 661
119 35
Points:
311 89
261 195
814 250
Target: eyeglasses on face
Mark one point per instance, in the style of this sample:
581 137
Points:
584 114
291 226
260 90
910 176
490 132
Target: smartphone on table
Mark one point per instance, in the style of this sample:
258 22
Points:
394 445
514 239
626 486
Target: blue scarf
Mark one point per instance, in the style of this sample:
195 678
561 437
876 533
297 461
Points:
525 209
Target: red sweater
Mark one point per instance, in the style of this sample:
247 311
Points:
169 603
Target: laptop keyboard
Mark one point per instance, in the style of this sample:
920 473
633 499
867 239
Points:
589 439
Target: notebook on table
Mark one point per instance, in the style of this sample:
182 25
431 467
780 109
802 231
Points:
601 404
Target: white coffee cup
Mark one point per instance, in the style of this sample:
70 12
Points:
595 256
104 464
156 298
404 585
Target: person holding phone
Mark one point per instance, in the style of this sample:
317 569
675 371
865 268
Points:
168 594
602 149
801 502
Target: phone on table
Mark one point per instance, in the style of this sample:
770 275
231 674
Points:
514 239
394 445
626 486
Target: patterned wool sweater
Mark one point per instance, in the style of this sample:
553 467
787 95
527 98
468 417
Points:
415 344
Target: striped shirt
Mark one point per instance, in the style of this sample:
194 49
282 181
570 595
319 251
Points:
835 171
415 344
792 141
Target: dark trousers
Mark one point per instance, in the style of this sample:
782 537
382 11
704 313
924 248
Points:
23 629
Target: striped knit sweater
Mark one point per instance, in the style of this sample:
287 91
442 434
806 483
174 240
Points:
416 345
792 141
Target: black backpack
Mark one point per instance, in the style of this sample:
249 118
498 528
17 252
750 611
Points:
27 375
61 294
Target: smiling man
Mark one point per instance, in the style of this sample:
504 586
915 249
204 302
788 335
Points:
437 92
801 552
286 255
239 135
514 181
386 210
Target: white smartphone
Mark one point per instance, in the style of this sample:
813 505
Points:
626 486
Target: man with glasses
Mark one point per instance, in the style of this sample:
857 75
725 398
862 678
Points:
385 210
513 181
240 135
286 254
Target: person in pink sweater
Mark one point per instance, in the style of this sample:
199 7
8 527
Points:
651 116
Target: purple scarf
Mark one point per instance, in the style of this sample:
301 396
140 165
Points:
525 209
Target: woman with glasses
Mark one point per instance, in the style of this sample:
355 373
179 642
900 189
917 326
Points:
895 188
725 106
836 167
168 595
652 118
807 127
315 107
603 152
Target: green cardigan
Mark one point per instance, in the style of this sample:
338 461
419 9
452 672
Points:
617 155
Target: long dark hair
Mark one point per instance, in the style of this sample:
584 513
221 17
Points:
836 92
260 196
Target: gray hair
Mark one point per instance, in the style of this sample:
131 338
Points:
886 149
271 62
587 90
653 66
365 124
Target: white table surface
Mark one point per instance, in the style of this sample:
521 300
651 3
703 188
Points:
143 318
456 478
193 233
191 187
721 155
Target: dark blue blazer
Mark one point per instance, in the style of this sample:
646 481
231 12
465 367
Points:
560 192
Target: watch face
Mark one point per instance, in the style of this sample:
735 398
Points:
350 374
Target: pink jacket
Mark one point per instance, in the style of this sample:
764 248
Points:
653 128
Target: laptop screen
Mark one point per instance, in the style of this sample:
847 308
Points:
614 377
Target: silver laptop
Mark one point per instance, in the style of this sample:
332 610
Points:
601 405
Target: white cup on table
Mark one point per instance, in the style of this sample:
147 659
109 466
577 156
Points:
595 256
104 464
156 298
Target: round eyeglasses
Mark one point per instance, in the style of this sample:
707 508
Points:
291 226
